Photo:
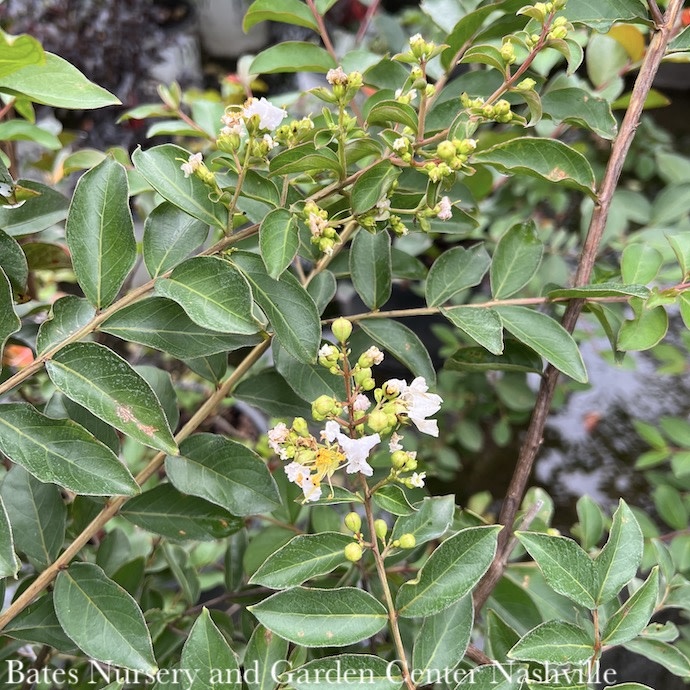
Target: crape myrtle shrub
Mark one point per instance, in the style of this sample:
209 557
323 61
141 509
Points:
328 560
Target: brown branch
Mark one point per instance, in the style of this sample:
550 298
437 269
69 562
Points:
535 432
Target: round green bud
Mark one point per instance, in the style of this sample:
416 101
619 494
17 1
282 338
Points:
362 374
322 407
381 529
353 552
399 458
342 329
445 150
377 421
353 522
407 541
300 427
410 465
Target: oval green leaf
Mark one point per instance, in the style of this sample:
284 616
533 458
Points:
213 293
372 186
581 108
13 262
546 159
432 518
370 267
9 321
451 572
482 325
292 56
102 619
9 563
284 12
160 165
302 558
515 357
633 616
100 232
223 472
106 385
67 316
554 642
516 259
322 617
61 452
19 51
455 270
546 337
278 241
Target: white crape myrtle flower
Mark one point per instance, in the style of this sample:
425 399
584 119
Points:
400 144
419 403
277 435
356 450
336 76
270 116
192 164
317 224
417 479
327 350
383 206
361 403
445 211
394 443
301 475
296 472
375 354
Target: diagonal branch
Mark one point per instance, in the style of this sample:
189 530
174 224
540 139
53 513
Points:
535 432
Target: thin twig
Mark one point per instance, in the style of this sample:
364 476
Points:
535 432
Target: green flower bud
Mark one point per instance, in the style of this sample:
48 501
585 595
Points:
445 150
322 407
407 541
526 84
381 529
353 552
399 458
353 522
362 374
342 329
300 427
378 421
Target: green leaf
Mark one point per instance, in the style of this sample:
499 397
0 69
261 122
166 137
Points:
581 108
640 263
482 325
292 56
515 357
264 653
9 321
372 186
100 232
160 165
451 572
61 452
308 381
455 270
13 262
554 642
284 12
671 507
662 653
214 294
302 558
486 55
223 472
104 621
170 236
305 158
209 657
364 670
322 289
431 520
632 617
591 522
106 385
600 290
403 344
19 51
681 248
279 241
164 325
546 159
601 16
37 515
618 561
500 637
9 563
270 392
37 213
546 337
288 306
56 83
210 367
67 316
392 498
20 130
38 623
443 638
516 259
322 617
494 677
370 267
565 565
645 331
389 112
166 511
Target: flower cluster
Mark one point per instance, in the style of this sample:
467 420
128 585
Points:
342 442
323 234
